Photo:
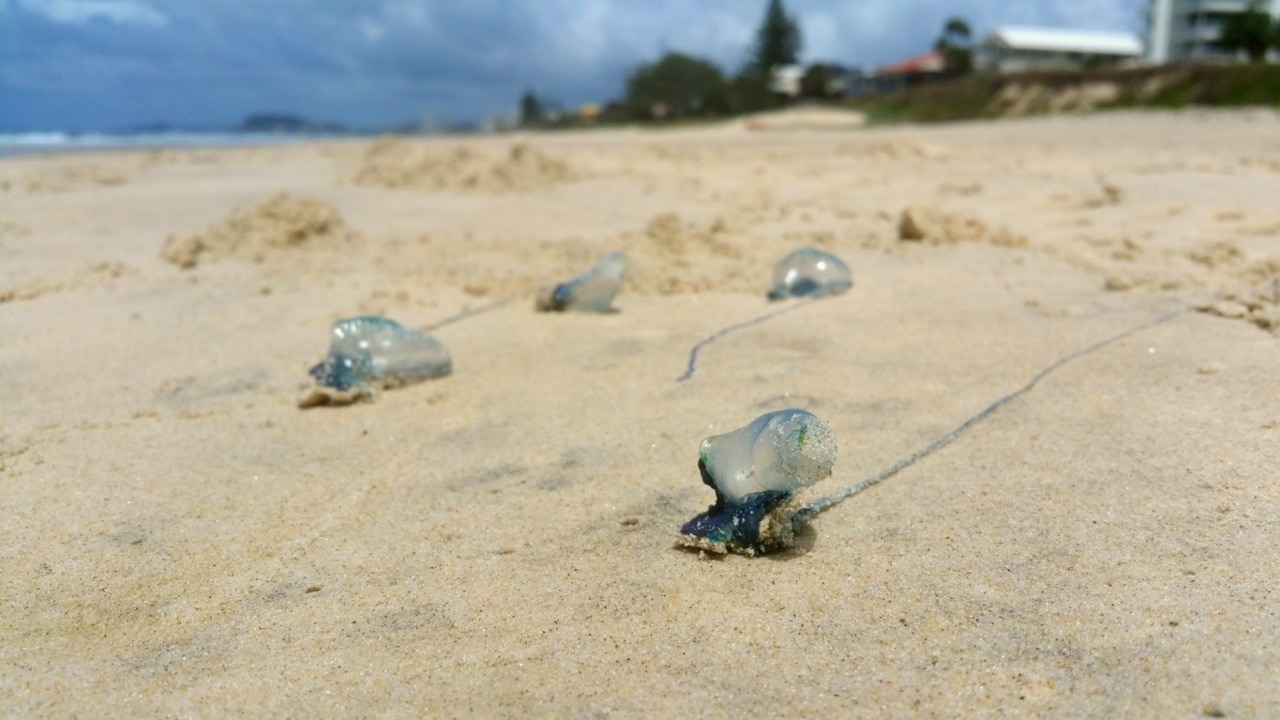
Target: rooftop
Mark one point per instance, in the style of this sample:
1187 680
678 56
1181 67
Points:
928 62
1081 41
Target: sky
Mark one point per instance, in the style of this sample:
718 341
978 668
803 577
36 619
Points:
84 65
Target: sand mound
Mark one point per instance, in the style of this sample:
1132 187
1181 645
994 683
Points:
894 150
668 256
66 178
667 234
92 276
806 118
396 163
281 223
1018 100
1258 304
674 257
941 228
1258 292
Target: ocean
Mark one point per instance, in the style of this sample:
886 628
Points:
31 143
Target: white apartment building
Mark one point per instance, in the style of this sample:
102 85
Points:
1190 29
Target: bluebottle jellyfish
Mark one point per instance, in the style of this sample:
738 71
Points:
810 271
755 472
592 291
368 353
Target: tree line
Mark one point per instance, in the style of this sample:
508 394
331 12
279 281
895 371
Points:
679 85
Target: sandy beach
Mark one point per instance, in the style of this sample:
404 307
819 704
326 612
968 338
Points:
179 538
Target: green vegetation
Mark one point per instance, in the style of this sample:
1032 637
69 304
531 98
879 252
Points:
682 87
955 46
991 96
676 86
1252 32
749 92
679 87
530 110
778 40
816 82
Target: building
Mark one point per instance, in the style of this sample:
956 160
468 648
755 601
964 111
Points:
854 82
913 71
930 62
1017 49
785 80
1191 29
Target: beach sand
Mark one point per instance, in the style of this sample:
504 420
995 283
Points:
178 538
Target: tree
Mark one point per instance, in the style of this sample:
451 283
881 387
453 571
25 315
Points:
777 40
1251 31
678 85
530 109
954 44
816 82
749 92
956 31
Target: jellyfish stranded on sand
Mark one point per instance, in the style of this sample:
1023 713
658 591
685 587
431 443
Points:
810 272
755 472
592 291
369 353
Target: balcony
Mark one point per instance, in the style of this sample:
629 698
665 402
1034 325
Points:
1203 33
1195 7
1224 7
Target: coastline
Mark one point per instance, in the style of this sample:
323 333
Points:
23 144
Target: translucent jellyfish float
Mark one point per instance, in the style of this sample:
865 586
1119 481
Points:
370 353
755 472
592 291
810 271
